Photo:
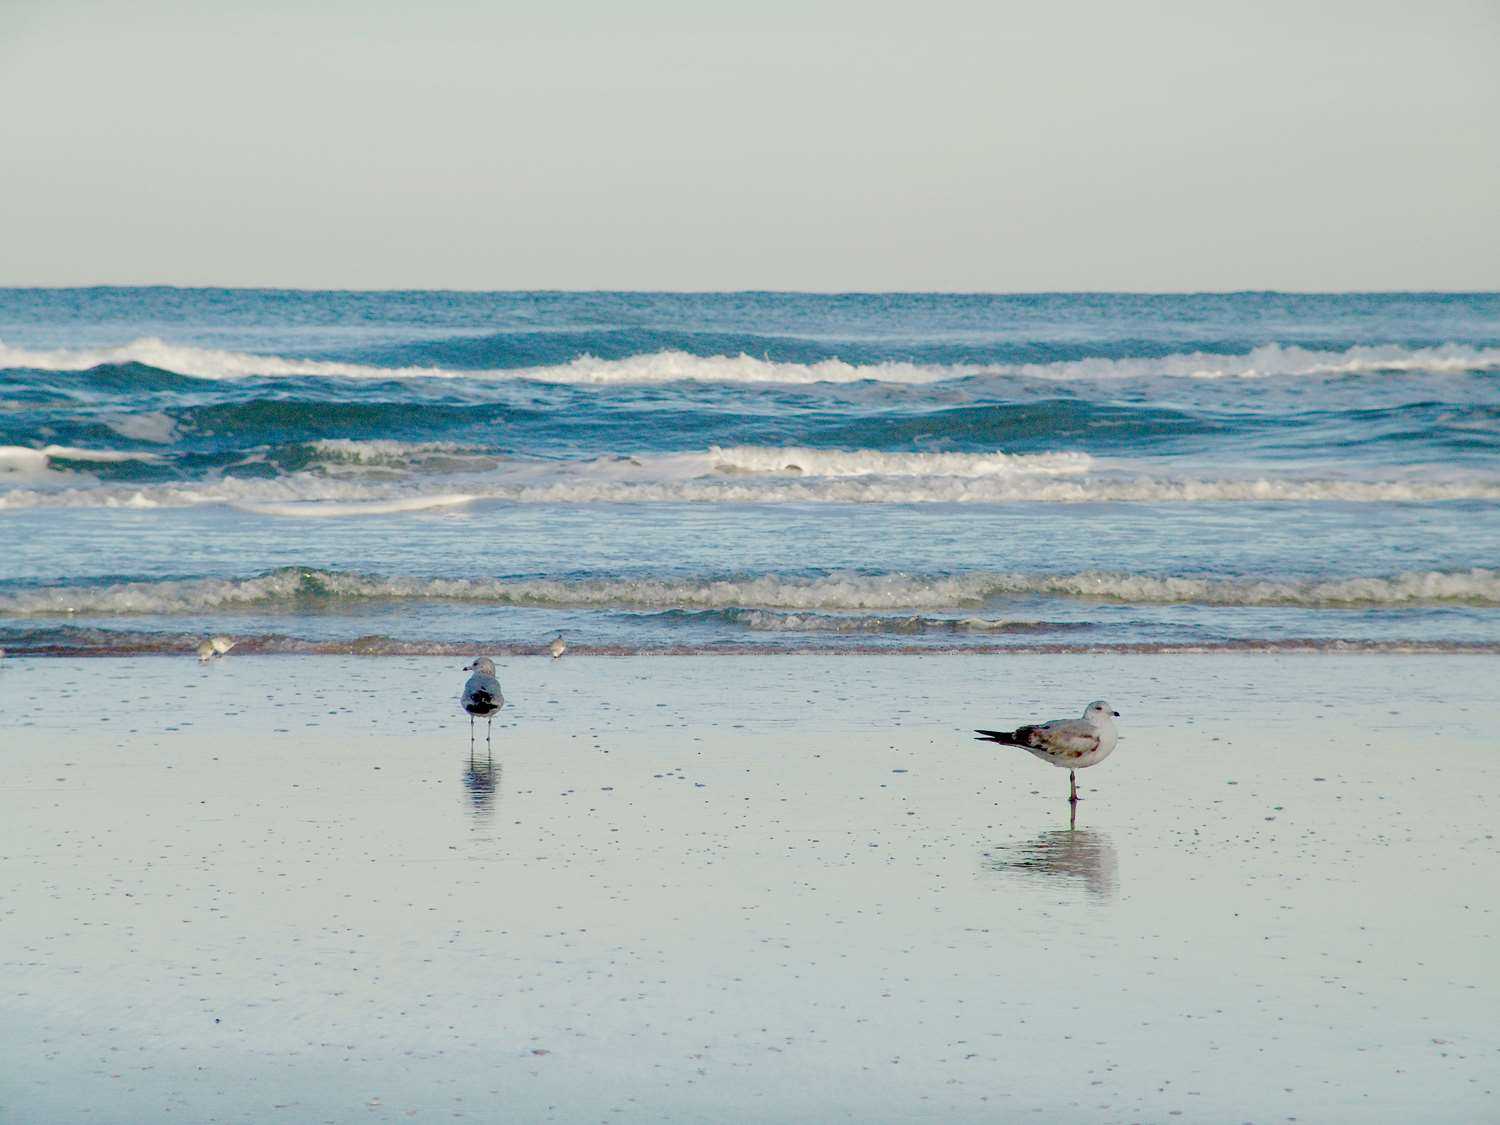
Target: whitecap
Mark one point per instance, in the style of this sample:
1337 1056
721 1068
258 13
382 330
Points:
306 587
677 366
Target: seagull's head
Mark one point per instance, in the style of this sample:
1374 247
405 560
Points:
481 664
1100 712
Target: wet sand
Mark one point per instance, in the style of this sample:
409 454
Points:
772 889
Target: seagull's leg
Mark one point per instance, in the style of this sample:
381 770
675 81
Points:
1072 815
489 726
471 736
1073 797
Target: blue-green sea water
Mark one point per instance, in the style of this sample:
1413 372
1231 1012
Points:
439 471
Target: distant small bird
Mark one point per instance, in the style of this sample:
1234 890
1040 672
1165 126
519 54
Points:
481 697
557 647
1073 744
214 647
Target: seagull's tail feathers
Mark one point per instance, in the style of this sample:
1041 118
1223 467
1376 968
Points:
1003 737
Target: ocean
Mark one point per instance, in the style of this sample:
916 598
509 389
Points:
436 472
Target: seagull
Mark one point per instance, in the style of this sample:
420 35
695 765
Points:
557 647
214 647
1073 743
481 697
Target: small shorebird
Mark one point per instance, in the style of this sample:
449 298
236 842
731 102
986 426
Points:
213 647
1073 744
557 647
481 697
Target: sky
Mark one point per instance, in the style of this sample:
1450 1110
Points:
593 144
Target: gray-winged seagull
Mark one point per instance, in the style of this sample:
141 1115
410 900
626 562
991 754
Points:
1072 744
481 697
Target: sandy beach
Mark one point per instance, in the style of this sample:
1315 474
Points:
275 888
825 383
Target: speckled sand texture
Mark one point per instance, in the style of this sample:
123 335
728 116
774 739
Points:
771 889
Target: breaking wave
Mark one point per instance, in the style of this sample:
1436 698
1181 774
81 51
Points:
680 366
398 454
345 477
773 621
72 641
308 589
740 459
866 462
304 495
25 459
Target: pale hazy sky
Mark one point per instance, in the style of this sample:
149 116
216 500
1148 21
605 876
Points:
935 144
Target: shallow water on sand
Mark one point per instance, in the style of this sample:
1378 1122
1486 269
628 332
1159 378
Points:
285 888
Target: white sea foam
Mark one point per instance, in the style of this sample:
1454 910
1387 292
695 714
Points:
385 451
655 367
31 475
23 458
383 457
867 462
310 509
774 621
1477 586
634 482
201 363
153 426
1275 360
674 366
308 588
382 477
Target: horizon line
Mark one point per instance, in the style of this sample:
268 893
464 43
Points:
586 291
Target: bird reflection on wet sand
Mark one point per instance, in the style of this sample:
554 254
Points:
482 780
1060 855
